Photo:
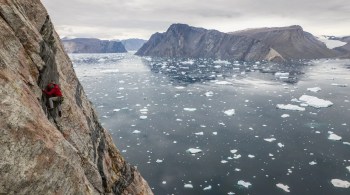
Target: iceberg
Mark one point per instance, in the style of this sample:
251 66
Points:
340 183
315 102
283 187
188 186
194 150
334 137
290 107
230 112
270 139
314 89
190 109
244 184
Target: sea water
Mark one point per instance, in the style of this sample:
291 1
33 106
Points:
209 126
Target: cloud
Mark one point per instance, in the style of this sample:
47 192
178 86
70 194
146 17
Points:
141 18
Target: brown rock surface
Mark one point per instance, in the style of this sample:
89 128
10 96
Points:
42 154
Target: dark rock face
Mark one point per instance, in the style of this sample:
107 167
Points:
42 154
181 40
291 42
87 45
133 44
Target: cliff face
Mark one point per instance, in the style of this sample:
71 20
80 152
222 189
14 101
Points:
41 154
87 45
181 40
291 42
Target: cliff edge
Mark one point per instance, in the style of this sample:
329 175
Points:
41 154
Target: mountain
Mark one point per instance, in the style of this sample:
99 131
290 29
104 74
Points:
182 40
133 44
43 154
92 45
291 42
343 51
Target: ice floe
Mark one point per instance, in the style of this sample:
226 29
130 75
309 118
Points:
270 139
199 133
333 136
340 183
136 132
315 102
209 94
314 89
193 150
223 83
313 163
285 115
224 161
188 185
207 188
190 109
348 167
143 117
159 161
339 85
280 145
283 187
244 184
290 107
230 112
233 151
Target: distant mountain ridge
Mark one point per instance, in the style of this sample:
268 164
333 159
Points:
276 44
182 40
292 42
133 44
92 45
343 51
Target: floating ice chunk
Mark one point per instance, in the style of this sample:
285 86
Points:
116 110
230 112
283 74
290 107
315 102
188 185
314 89
209 94
159 161
244 184
194 150
215 133
283 187
223 83
233 151
178 119
285 115
313 163
346 143
340 183
335 137
230 193
348 167
221 62
270 139
339 85
163 182
280 145
199 133
189 62
180 87
136 132
143 117
237 156
251 156
190 109
224 161
207 188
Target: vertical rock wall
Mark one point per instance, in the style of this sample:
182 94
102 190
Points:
42 154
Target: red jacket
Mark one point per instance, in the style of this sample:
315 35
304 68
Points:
54 92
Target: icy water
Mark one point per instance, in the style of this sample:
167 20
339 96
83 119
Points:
160 111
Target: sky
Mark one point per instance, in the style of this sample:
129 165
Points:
122 19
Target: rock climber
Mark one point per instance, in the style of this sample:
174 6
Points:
54 94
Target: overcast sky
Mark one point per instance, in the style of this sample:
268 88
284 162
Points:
120 19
